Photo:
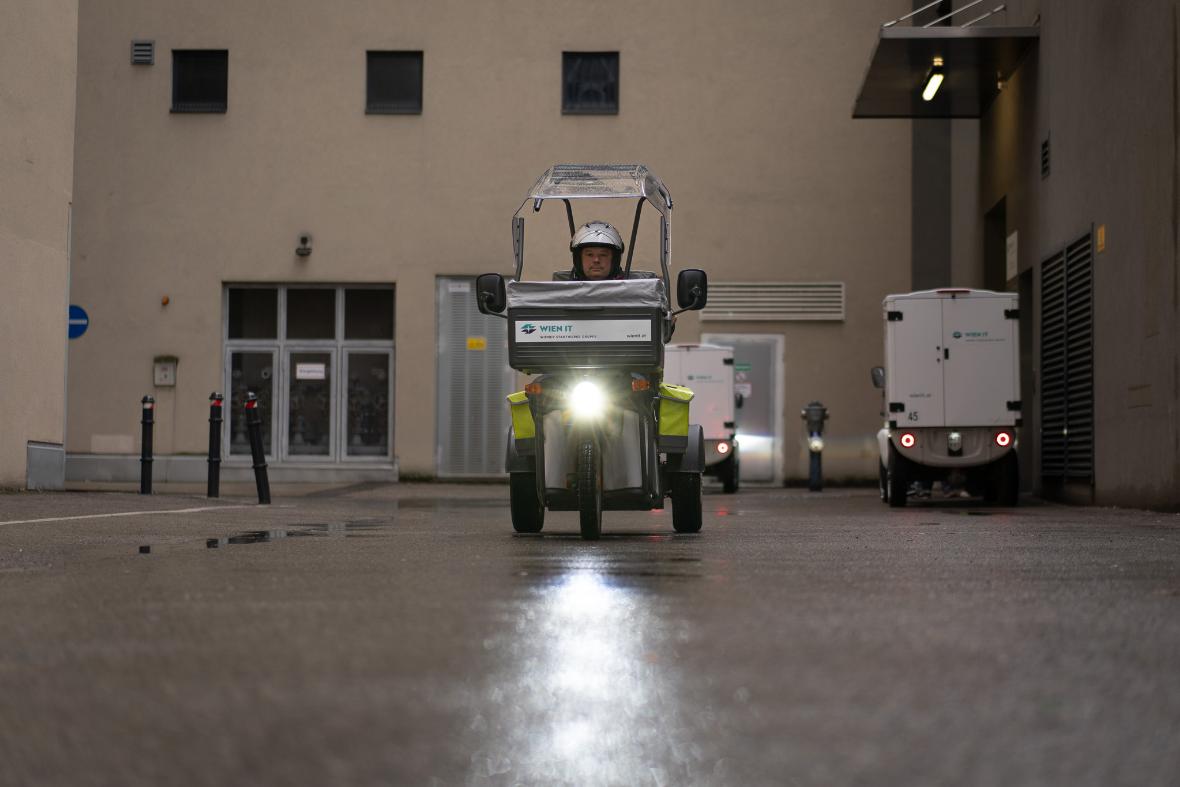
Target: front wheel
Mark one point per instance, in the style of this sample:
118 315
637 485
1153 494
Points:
590 489
528 512
686 502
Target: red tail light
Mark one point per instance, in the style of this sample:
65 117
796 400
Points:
908 440
1003 439
723 448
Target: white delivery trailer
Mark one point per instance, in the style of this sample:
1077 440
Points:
708 370
951 393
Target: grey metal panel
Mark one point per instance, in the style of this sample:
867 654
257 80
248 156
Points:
46 466
472 414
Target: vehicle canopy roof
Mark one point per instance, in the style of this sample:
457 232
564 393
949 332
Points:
599 181
588 181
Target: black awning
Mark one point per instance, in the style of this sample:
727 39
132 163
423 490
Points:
974 60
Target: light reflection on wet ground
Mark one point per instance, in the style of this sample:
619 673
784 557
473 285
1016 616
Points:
586 670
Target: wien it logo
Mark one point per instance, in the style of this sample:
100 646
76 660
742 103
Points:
528 327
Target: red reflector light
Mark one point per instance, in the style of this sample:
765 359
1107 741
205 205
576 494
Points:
533 388
1003 439
908 440
723 448
642 384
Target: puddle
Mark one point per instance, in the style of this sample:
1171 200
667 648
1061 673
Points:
354 528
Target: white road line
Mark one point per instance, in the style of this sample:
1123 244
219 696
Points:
121 513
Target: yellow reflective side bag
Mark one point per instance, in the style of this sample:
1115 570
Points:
523 427
674 401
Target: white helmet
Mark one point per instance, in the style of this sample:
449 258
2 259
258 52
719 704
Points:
597 233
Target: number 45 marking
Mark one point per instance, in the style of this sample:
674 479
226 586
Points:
913 416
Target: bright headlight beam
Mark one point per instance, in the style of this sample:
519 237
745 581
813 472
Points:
587 400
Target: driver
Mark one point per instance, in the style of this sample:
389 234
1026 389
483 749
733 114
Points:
598 252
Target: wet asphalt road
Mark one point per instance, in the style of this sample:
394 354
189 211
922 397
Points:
403 635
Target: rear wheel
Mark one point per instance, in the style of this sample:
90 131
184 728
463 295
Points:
897 478
883 484
686 502
729 475
1004 483
590 490
528 512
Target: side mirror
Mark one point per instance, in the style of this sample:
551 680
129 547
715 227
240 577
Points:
878 374
692 289
490 296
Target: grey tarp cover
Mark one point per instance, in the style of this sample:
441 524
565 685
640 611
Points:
635 293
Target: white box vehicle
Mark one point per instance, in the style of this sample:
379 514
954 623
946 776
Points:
951 393
708 370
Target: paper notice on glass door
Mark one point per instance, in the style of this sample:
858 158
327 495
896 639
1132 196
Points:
311 371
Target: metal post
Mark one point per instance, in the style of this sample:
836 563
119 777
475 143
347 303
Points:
815 414
145 446
214 486
254 425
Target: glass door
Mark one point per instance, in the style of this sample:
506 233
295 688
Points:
249 372
368 390
308 433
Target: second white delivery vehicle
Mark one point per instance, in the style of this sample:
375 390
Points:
708 370
951 393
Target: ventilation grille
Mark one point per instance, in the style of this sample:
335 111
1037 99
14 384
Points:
143 53
1045 158
775 301
1067 363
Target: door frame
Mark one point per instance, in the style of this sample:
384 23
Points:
778 372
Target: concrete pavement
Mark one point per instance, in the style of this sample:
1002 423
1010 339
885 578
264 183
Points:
403 634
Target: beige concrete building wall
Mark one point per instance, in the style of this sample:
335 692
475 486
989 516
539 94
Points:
1112 127
38 51
745 112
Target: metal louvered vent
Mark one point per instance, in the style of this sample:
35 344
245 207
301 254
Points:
1067 363
143 53
775 301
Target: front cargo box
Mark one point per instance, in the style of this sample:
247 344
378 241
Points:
563 325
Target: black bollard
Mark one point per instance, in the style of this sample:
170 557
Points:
145 446
254 425
214 486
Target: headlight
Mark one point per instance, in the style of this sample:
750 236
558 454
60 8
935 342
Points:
587 400
815 444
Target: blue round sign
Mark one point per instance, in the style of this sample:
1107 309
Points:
79 321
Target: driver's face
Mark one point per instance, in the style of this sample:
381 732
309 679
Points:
596 262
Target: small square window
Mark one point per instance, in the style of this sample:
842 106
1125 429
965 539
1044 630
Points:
199 80
590 83
393 83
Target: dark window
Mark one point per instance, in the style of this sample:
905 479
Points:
590 83
253 313
311 314
393 83
368 314
199 80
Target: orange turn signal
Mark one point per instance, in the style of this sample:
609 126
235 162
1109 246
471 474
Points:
533 388
640 384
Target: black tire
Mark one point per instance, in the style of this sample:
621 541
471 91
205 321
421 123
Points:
686 502
729 475
590 490
898 482
1005 482
528 512
883 484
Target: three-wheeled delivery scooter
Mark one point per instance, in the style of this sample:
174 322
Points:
597 429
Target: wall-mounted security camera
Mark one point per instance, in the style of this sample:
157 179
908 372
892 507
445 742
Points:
304 247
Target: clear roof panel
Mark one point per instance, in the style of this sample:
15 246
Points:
575 181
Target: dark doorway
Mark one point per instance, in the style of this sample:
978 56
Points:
995 247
